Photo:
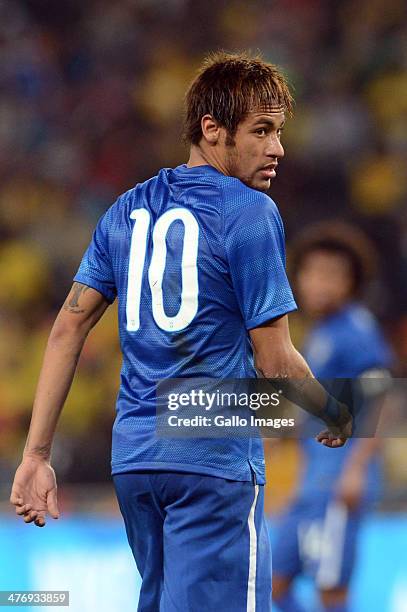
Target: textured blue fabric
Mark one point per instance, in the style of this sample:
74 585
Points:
288 603
190 539
242 283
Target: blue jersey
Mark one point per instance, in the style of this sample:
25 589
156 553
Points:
344 345
196 259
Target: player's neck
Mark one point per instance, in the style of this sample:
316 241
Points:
200 157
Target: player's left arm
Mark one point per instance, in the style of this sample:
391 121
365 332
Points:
82 309
34 488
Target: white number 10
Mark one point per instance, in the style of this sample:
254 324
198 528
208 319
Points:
189 295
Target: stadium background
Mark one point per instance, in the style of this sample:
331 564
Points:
90 103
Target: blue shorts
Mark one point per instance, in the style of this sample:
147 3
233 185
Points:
318 540
200 542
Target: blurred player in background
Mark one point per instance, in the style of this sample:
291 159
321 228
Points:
318 532
196 257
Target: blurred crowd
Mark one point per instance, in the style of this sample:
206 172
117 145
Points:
90 104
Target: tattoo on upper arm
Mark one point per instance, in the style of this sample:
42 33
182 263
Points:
72 301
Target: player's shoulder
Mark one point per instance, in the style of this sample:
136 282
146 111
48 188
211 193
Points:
237 195
244 207
350 324
111 220
130 199
359 319
234 197
360 331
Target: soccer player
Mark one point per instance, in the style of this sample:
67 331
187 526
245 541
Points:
195 256
317 534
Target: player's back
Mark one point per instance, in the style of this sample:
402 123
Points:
187 254
182 318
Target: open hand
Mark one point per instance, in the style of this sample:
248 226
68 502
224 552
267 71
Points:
34 491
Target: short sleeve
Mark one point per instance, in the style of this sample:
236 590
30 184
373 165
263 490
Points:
96 269
255 248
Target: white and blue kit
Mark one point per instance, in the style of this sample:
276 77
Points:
196 259
316 534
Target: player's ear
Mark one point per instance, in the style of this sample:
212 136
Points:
210 129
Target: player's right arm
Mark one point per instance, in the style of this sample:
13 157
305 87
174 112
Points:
34 488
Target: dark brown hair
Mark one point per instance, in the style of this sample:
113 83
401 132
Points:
340 238
230 85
